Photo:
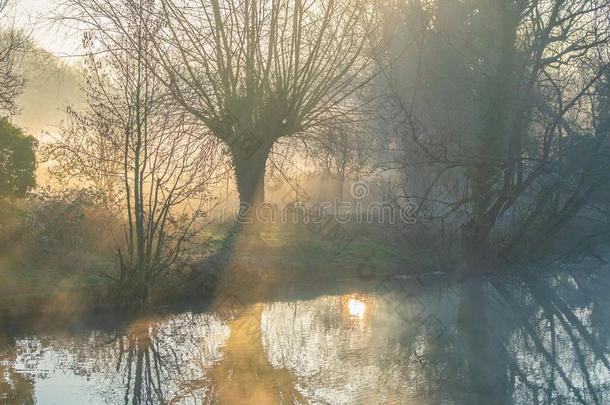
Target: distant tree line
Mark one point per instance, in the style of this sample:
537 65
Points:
17 157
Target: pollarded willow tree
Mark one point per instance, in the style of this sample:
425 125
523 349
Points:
252 71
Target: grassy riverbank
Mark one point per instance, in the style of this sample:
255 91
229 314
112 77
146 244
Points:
75 280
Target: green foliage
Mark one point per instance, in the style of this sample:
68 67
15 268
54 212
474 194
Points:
66 220
17 160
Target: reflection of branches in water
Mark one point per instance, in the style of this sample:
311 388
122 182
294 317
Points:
540 347
342 359
147 361
142 366
536 340
532 341
15 388
573 357
165 362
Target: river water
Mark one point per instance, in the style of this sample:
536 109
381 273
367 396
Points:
519 339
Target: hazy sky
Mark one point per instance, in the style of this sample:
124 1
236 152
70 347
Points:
49 87
36 17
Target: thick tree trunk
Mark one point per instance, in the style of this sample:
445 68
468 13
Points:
249 165
474 248
340 187
493 141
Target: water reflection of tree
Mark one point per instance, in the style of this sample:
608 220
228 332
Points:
168 362
15 387
245 374
524 340
559 335
337 358
146 361
165 361
141 361
532 341
520 340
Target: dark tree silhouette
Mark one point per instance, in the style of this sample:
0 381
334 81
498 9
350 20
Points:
17 161
13 43
251 71
493 99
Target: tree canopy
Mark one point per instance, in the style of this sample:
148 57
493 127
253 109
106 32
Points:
17 160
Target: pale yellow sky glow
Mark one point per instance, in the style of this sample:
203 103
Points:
35 16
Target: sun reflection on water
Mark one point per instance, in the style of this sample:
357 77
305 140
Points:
356 308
